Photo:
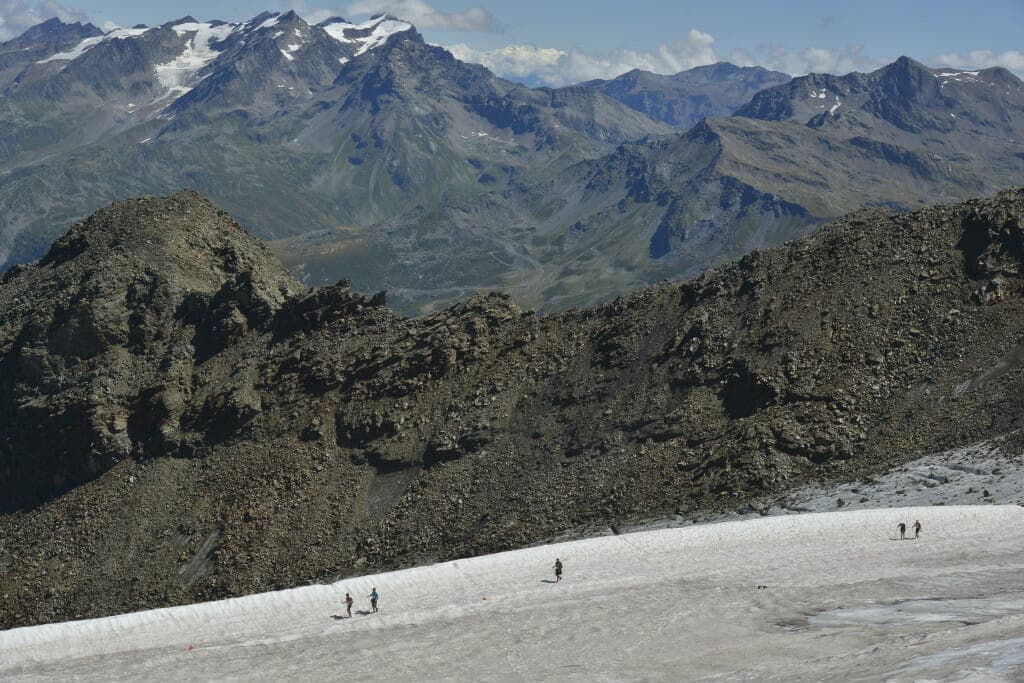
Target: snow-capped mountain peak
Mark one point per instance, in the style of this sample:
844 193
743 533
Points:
202 39
89 43
367 35
180 54
199 51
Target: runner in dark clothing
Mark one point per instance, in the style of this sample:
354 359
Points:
558 570
902 526
348 604
373 599
917 528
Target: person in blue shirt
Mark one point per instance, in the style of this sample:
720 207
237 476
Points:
373 599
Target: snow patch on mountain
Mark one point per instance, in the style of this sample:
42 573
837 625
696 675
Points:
336 28
197 53
269 23
959 77
381 33
80 49
288 51
380 29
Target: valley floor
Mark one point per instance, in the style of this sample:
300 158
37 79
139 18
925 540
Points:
794 597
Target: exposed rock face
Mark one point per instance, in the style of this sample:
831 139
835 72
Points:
100 341
181 421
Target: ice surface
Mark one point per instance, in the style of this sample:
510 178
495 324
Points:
198 52
802 597
986 472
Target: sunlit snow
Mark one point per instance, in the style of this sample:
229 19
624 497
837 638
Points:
272 21
381 33
85 45
381 28
197 53
829 596
287 52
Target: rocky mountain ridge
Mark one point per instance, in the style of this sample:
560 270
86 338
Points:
799 154
360 151
685 98
294 127
182 420
669 206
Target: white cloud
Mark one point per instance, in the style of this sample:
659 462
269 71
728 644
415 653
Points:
741 57
313 15
808 60
515 61
983 59
555 67
18 15
425 16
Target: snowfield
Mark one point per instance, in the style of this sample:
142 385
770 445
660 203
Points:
786 598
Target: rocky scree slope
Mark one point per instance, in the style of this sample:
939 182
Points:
182 421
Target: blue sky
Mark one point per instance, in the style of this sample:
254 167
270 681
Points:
559 41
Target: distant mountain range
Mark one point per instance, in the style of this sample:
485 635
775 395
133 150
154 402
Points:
360 129
362 152
683 99
796 155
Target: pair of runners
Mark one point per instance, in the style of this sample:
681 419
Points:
902 526
374 596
